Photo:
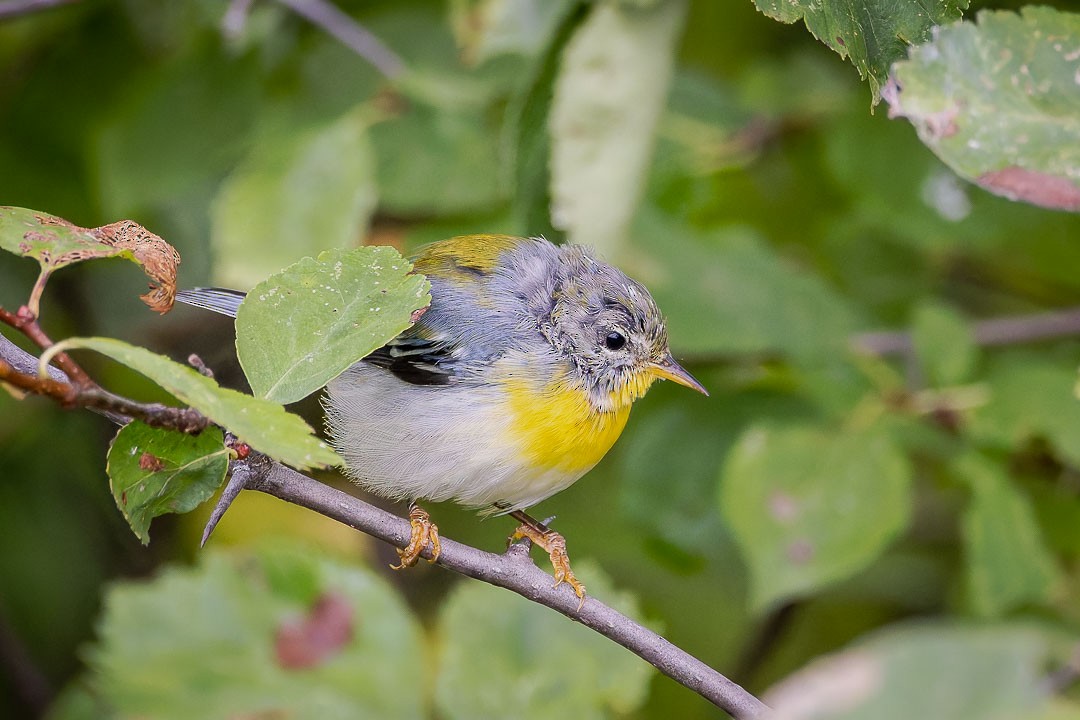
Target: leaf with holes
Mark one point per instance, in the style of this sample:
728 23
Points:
56 243
154 471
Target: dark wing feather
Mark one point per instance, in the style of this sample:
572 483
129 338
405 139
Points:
416 360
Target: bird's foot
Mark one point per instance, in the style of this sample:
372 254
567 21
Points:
423 532
555 546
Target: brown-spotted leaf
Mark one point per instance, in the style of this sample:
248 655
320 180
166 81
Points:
55 243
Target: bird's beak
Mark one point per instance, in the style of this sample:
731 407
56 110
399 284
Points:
671 370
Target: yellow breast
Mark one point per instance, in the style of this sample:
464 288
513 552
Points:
557 428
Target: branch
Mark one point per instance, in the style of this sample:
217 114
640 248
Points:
513 570
14 8
19 369
328 17
988 333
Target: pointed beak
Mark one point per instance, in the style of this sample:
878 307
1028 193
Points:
671 370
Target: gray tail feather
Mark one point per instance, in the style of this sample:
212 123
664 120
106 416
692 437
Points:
220 300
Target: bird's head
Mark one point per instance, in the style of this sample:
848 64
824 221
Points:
613 333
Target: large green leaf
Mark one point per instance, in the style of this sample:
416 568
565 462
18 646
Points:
930 672
284 633
503 656
609 95
809 507
871 33
154 471
998 103
292 196
1008 563
264 425
322 316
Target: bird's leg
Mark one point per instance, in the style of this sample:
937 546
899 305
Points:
423 532
555 545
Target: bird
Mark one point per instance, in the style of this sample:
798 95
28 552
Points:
513 384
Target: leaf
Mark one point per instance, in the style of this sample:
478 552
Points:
610 92
944 344
292 196
1008 563
871 33
726 291
154 471
1030 398
323 316
927 671
264 425
997 102
503 656
809 507
56 243
205 642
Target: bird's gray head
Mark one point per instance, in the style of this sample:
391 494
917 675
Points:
611 330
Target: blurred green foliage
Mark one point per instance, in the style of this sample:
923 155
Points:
817 499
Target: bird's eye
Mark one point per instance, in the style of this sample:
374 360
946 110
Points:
614 341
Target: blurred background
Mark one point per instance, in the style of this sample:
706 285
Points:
836 487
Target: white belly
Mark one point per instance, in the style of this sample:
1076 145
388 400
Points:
445 442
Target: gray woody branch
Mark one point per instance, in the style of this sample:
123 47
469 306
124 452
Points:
513 570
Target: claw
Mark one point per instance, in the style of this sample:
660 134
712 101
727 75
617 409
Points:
423 531
555 545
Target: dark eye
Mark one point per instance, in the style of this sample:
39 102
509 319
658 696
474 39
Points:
614 341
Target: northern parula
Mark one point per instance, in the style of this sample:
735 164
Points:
513 384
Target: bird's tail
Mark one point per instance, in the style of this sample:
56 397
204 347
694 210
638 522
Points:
220 300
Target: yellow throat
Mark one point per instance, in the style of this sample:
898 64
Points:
557 426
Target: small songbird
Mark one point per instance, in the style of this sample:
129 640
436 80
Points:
513 384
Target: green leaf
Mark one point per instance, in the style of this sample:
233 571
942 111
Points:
871 33
503 656
728 292
153 472
998 103
944 344
294 195
323 316
810 507
927 671
609 95
1030 398
264 425
227 639
56 243
1008 563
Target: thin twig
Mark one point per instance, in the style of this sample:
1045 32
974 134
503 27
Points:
350 33
988 333
116 407
14 8
25 321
